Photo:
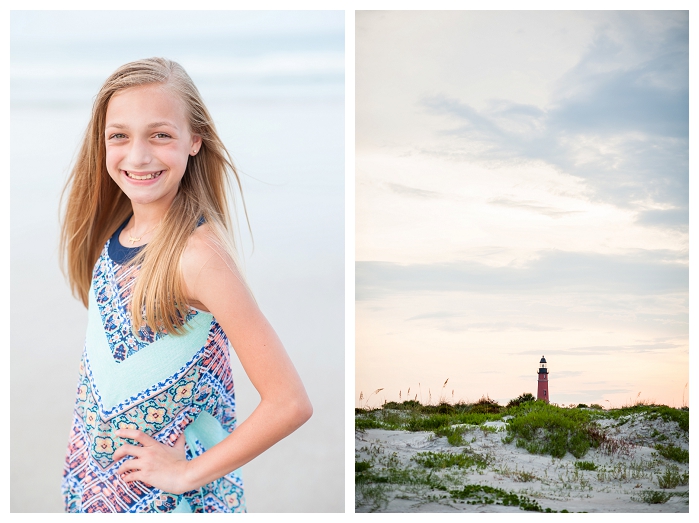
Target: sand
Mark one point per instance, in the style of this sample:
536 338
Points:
553 483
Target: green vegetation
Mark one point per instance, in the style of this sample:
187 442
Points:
454 435
438 421
437 476
523 476
400 476
486 406
585 465
522 398
651 412
672 478
546 429
372 485
672 452
626 471
408 416
366 423
442 460
485 495
362 466
406 405
538 427
658 436
652 497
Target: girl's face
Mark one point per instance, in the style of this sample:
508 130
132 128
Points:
148 143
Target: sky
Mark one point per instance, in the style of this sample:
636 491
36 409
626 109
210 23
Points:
522 190
259 53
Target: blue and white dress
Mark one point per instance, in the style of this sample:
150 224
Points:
162 385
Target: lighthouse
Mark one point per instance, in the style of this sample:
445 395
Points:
543 389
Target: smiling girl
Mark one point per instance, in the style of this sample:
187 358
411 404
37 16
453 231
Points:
147 245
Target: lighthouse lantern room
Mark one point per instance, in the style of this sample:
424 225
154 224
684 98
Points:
543 388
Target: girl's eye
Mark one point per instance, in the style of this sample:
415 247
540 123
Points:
162 135
117 136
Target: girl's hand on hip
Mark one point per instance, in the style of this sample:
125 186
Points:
153 463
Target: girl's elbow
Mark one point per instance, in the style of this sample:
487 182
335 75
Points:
304 411
300 410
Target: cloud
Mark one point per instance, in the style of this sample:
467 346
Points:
627 100
641 273
448 324
498 326
531 206
404 190
568 373
606 349
621 124
664 218
434 315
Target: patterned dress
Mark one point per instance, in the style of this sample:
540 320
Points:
163 385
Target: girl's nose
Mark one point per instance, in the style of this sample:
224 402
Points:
139 153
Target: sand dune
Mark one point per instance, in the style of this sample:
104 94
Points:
404 471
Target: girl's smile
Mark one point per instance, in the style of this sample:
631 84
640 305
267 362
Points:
142 176
148 144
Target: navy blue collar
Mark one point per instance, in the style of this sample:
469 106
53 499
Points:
120 254
117 252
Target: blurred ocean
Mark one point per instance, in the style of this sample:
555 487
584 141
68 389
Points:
274 83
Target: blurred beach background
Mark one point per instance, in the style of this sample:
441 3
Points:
274 83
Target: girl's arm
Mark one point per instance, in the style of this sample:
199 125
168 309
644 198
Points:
212 283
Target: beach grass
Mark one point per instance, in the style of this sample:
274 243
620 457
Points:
541 428
536 426
651 412
442 460
672 478
447 473
652 497
672 452
585 465
372 486
487 495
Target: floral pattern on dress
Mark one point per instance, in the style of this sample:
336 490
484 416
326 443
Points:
163 410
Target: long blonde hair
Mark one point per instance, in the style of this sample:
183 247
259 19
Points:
96 206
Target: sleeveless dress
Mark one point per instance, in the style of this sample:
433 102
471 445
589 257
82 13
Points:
162 385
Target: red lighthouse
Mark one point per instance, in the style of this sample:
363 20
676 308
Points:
543 390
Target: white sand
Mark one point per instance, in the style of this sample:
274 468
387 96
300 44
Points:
557 484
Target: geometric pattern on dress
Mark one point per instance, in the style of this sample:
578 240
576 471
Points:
113 284
163 410
223 495
149 394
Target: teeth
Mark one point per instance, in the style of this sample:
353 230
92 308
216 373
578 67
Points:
146 177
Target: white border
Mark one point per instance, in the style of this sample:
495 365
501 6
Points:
349 259
349 8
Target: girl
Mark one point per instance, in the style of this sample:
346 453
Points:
147 247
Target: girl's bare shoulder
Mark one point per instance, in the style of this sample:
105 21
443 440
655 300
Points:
207 269
204 250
